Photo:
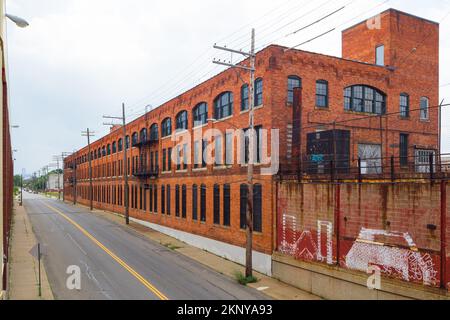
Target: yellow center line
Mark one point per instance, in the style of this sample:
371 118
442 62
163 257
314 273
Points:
146 283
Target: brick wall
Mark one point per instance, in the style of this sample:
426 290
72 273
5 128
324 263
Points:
232 234
274 65
396 227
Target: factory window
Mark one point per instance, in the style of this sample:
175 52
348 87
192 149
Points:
424 108
181 121
143 135
134 139
168 200
258 92
322 93
360 98
404 149
127 142
200 114
114 147
108 149
293 82
120 145
177 200
244 98
404 105
216 202
257 207
203 203
223 105
226 204
243 205
155 199
163 199
183 201
379 55
194 202
166 127
154 132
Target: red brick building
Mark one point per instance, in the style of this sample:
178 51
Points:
382 92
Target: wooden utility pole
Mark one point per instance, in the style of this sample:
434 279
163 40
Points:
89 134
250 152
125 167
57 159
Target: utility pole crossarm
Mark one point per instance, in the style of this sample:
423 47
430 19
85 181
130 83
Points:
247 54
233 65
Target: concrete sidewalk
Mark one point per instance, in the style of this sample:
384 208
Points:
271 287
23 275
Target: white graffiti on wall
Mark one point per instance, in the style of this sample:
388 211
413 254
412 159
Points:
329 241
409 263
304 246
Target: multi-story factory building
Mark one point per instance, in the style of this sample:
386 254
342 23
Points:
380 98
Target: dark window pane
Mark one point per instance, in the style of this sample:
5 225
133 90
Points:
194 202
216 201
226 204
243 205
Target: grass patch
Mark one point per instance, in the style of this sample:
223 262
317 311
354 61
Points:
171 246
242 279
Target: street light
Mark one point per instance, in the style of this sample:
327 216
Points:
20 22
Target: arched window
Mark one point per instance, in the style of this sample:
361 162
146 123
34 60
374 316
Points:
293 82
108 149
404 105
114 147
244 98
360 98
103 151
181 121
127 142
120 145
154 132
258 92
134 139
166 129
143 135
99 153
200 114
424 108
223 105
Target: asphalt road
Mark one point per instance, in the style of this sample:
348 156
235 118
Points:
117 263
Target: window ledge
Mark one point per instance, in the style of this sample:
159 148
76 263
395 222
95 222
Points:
199 169
180 132
200 126
223 119
363 113
222 167
322 108
182 171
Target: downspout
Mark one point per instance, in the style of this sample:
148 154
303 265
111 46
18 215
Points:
297 130
337 217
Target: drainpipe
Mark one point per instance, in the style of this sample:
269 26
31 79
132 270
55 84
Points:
337 217
443 234
297 130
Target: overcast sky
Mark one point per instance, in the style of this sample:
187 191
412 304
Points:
80 59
